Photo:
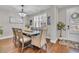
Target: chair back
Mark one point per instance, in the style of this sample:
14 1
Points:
43 37
36 40
39 40
17 34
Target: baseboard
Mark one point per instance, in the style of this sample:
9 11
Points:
5 37
53 41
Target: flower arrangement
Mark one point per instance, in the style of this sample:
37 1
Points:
1 30
60 26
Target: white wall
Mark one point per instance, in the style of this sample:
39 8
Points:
62 18
7 26
52 29
74 36
53 12
63 15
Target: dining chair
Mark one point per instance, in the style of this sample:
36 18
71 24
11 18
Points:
19 39
40 40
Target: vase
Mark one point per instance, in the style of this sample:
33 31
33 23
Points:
60 34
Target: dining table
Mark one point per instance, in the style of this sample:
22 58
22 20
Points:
31 33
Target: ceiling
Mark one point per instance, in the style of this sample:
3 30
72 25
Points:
29 9
32 9
66 6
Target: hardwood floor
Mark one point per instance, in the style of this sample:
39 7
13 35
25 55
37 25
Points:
7 46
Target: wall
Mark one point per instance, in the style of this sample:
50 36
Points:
52 29
7 26
27 20
63 15
62 18
72 36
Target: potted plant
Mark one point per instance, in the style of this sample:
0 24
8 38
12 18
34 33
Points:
1 31
60 27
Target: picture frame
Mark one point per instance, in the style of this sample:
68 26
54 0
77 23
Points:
30 22
15 20
49 20
75 15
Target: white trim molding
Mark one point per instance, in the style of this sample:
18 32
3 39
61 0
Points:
5 37
53 41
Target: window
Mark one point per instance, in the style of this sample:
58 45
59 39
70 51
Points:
40 21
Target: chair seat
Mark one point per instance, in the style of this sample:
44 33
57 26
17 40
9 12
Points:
26 39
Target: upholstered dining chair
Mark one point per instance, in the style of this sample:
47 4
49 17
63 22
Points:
40 40
19 39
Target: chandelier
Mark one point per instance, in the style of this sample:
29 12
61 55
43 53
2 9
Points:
22 13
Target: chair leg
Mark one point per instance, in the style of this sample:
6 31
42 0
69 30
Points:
14 42
18 46
46 47
22 49
39 51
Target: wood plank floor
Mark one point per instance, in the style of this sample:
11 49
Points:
7 46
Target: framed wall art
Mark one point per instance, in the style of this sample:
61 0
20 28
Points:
15 20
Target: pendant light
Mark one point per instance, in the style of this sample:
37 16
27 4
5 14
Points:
22 13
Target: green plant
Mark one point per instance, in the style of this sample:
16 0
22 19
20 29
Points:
1 31
60 26
27 26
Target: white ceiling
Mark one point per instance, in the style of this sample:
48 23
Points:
32 9
29 9
66 6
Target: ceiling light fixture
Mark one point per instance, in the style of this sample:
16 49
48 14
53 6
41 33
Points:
22 13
